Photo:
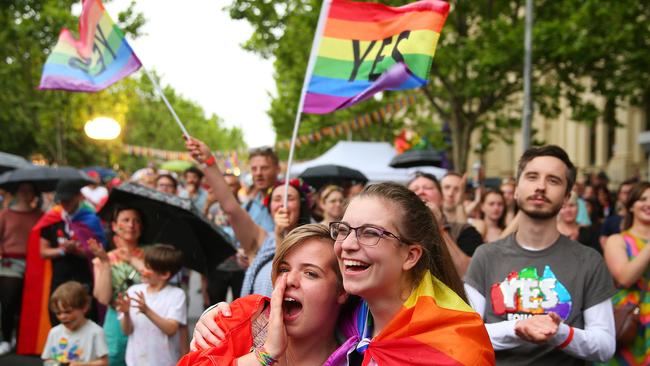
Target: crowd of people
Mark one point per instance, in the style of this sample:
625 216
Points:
541 269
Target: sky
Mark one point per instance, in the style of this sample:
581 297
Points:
196 48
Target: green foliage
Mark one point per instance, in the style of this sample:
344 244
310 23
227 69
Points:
50 123
580 48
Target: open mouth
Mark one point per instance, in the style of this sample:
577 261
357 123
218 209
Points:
355 266
291 308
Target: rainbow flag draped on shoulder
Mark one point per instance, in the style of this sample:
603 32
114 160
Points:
35 319
364 48
98 59
434 327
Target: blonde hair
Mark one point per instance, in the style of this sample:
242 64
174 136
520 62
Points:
329 190
297 237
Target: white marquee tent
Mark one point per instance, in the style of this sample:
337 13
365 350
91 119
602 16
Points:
370 158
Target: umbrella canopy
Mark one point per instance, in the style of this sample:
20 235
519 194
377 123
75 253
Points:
415 158
173 220
11 162
44 178
321 175
177 166
104 173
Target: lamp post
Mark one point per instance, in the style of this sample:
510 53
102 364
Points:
103 128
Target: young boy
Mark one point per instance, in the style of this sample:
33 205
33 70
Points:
76 341
152 312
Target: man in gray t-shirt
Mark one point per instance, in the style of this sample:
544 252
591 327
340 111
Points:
545 299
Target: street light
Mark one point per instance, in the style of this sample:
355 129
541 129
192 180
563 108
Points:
102 128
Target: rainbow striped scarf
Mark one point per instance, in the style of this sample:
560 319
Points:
364 48
98 59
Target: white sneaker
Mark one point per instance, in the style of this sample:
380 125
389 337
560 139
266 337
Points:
5 348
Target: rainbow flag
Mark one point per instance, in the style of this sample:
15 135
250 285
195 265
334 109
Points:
35 321
98 59
364 48
434 327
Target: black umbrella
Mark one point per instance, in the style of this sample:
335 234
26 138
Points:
321 175
43 177
11 162
415 158
173 220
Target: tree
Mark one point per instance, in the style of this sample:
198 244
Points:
476 77
50 123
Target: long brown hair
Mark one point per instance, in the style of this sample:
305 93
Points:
635 195
501 221
416 225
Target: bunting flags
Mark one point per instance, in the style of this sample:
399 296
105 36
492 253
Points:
364 48
362 121
98 59
228 159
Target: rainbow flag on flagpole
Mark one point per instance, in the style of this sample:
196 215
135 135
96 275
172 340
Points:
364 48
98 59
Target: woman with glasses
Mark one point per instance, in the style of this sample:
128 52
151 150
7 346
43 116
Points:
413 312
115 272
332 201
257 243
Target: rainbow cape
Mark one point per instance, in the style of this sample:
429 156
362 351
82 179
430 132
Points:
363 48
35 318
434 327
98 59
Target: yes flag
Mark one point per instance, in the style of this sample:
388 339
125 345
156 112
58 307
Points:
365 48
98 59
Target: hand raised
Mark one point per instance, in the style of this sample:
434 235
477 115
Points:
276 338
122 303
197 148
97 250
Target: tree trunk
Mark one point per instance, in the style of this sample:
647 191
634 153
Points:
461 132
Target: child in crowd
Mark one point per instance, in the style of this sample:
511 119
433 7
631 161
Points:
151 313
77 341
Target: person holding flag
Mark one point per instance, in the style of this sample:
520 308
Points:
57 252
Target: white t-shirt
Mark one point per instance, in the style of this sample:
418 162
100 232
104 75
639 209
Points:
148 345
85 344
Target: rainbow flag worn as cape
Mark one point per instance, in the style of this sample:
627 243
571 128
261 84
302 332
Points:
98 59
364 48
434 327
35 318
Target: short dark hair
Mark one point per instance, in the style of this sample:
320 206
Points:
194 170
553 151
71 294
452 174
163 258
429 176
170 177
265 151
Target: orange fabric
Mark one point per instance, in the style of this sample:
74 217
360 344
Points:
239 337
35 318
434 326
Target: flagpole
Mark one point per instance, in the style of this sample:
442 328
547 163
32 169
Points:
324 11
169 106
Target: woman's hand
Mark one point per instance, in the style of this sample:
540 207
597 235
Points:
281 220
276 338
97 250
206 332
198 149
